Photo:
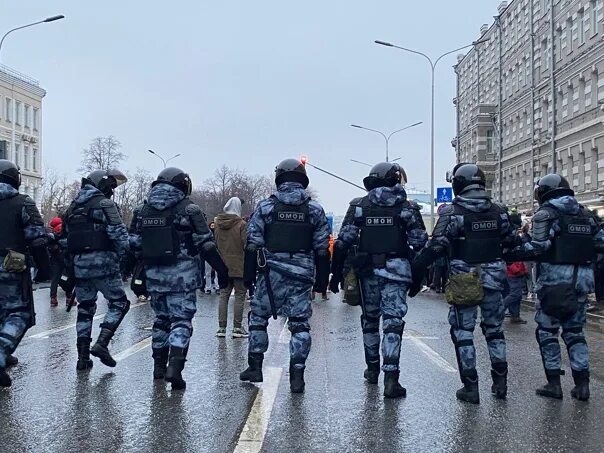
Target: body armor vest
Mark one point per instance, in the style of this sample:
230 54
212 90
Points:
11 229
290 230
382 230
161 236
84 233
481 242
574 244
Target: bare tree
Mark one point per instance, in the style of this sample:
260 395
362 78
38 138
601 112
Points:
103 153
133 193
57 194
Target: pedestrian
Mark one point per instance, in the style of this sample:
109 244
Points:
440 270
97 242
385 225
230 235
57 262
565 240
473 232
22 235
173 238
516 274
209 282
286 238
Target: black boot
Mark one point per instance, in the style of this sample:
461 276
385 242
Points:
160 362
372 373
5 380
392 388
100 349
296 379
499 373
253 373
469 391
581 390
178 357
11 360
84 362
552 389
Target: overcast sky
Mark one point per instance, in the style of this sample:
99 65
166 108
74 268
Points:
245 83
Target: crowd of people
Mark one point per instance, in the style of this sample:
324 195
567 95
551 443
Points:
479 254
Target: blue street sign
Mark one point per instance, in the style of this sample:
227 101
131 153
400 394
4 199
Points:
444 195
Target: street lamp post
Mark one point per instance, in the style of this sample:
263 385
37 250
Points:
164 161
48 19
386 137
433 64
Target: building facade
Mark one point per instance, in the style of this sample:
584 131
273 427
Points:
21 127
530 99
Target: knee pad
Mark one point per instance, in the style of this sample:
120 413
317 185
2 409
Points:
397 329
256 328
162 324
301 325
374 324
494 336
126 306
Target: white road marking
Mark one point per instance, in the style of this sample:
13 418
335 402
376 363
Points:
434 356
285 334
47 333
256 424
133 349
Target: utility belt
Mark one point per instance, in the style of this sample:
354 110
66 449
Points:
365 263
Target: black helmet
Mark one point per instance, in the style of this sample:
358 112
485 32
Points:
469 179
10 173
175 177
291 170
385 174
105 180
551 186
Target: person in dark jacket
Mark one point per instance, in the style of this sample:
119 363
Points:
57 262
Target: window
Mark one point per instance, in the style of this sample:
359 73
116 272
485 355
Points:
601 86
17 153
594 17
34 158
490 142
27 116
587 94
19 113
36 195
9 110
36 119
26 157
581 18
575 99
545 54
570 33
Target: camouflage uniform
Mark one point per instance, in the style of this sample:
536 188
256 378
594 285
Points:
292 276
548 327
385 292
15 314
493 276
99 271
173 288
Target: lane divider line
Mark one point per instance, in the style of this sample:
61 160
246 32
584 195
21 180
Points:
47 333
253 432
434 356
138 347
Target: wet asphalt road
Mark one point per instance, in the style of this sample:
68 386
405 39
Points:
52 409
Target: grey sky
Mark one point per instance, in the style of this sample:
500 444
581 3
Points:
245 83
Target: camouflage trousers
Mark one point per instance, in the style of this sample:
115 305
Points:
15 318
174 313
548 328
292 299
112 289
463 321
386 299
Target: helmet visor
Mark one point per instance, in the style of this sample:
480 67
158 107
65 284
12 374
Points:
118 176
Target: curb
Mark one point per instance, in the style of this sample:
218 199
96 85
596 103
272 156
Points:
594 321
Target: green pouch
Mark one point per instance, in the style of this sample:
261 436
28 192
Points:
15 262
465 289
351 289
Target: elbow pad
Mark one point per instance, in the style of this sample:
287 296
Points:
322 270
210 254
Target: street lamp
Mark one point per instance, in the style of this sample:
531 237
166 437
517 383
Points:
386 137
164 161
433 64
48 19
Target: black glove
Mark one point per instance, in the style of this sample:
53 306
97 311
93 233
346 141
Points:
417 279
39 253
334 284
322 271
250 266
210 253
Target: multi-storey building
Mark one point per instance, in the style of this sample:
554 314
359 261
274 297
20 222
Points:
530 99
21 127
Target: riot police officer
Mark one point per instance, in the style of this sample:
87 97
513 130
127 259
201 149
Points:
97 241
174 239
22 233
288 236
563 239
472 232
382 226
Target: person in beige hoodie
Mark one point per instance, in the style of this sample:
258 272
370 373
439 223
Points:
230 236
